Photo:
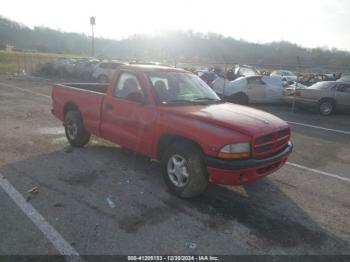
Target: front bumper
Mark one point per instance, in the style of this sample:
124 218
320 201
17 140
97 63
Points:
238 172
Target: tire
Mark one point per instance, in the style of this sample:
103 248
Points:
196 181
75 130
239 98
326 107
103 79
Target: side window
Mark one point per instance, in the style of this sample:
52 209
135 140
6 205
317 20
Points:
345 88
129 88
255 81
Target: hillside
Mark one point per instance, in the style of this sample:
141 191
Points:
173 46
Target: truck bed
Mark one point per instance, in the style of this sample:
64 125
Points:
92 87
88 97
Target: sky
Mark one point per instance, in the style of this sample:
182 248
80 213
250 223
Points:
309 23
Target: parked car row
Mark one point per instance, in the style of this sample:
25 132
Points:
82 68
240 84
326 95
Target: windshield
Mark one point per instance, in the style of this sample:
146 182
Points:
179 87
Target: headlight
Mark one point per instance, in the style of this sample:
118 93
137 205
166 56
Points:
240 150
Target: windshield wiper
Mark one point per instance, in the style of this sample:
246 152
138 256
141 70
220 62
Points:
177 101
208 99
194 101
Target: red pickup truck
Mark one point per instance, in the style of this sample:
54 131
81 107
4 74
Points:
171 115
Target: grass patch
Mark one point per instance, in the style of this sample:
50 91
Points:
16 62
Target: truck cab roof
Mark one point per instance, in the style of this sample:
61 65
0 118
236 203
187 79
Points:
149 68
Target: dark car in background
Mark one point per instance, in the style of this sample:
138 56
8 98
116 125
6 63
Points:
85 67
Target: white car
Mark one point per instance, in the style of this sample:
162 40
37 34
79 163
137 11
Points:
252 89
286 76
103 71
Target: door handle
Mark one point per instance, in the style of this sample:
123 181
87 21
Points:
108 107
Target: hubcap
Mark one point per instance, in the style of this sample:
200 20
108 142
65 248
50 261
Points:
72 129
326 108
177 170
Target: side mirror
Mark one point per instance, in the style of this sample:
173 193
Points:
136 97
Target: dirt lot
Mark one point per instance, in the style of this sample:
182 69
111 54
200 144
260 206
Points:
302 209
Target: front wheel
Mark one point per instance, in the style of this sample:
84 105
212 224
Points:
184 170
326 107
239 98
75 130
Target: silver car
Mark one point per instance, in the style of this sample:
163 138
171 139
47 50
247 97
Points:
326 97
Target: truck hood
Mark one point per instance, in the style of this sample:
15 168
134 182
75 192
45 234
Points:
238 118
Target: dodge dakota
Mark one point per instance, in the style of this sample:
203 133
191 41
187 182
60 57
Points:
171 115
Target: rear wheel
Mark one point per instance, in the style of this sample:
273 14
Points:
326 107
75 130
184 170
103 79
239 98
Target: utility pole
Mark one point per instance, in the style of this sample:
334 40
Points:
92 23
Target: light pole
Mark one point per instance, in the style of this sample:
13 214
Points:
92 23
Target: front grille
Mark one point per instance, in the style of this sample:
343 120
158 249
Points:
283 133
264 139
261 149
269 144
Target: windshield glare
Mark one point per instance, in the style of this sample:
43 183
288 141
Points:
179 87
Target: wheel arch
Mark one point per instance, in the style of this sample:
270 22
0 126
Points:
70 106
328 99
166 140
239 94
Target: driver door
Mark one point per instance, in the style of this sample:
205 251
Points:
342 96
126 116
256 89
